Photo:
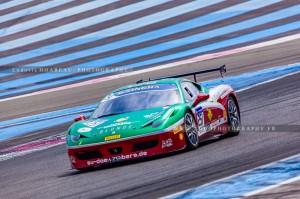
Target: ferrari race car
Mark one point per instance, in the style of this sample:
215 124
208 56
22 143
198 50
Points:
153 117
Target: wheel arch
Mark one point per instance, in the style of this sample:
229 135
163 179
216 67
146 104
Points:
233 96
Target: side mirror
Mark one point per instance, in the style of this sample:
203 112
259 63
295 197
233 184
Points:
80 117
201 97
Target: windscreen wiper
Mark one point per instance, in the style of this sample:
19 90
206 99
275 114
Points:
109 115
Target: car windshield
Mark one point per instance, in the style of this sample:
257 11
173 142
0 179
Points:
138 98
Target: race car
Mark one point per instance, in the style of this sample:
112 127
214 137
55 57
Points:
153 117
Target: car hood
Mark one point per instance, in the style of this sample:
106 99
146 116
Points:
119 126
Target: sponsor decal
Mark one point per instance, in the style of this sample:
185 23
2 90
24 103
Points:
122 119
214 124
95 123
116 124
225 115
112 128
130 90
209 114
177 129
84 130
181 136
117 158
199 110
152 115
167 143
112 137
139 89
206 128
200 118
146 88
150 121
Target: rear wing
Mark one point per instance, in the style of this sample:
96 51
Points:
222 70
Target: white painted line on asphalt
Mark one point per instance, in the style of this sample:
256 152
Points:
30 147
265 82
11 155
272 187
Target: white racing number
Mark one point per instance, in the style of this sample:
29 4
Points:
200 118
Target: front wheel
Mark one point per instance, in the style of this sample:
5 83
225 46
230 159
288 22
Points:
191 134
234 122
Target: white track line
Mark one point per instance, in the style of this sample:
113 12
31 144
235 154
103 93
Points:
37 145
271 187
267 81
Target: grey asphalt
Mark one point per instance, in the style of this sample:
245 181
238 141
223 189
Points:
46 174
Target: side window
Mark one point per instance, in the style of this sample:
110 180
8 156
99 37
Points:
195 89
190 91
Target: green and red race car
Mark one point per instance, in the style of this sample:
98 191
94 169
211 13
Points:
153 117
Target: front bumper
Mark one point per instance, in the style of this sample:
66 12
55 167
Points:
134 148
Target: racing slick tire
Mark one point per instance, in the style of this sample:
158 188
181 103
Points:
190 131
234 121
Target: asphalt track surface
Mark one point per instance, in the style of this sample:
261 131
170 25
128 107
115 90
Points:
46 174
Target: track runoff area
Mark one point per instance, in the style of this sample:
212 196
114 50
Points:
246 184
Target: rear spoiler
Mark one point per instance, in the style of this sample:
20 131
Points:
222 70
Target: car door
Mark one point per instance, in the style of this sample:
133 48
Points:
207 114
190 92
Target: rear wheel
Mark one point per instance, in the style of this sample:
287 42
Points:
191 134
234 122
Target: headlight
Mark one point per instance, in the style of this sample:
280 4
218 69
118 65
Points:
75 138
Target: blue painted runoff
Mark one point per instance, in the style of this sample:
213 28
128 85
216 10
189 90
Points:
14 131
44 116
249 79
41 121
239 185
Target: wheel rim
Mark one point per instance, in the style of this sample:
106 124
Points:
233 115
190 128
